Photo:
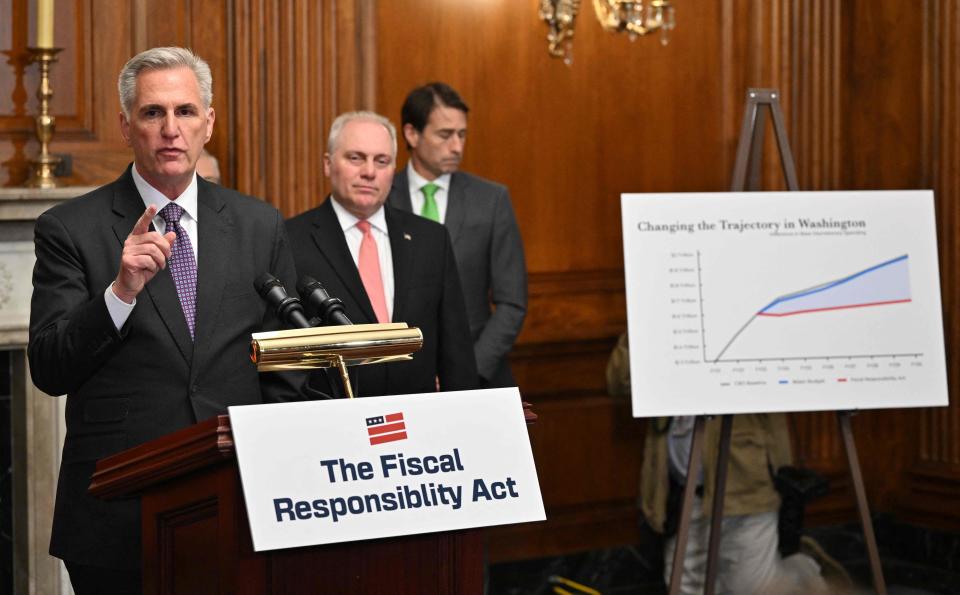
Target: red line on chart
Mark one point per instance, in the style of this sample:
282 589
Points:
833 308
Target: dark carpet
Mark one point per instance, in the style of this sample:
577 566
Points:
916 561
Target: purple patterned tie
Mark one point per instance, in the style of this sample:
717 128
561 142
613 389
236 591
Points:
182 264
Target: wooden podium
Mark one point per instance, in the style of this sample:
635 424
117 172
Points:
196 537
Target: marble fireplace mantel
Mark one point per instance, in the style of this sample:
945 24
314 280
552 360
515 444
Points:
19 208
26 204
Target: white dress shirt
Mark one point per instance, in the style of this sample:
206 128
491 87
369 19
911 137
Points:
417 182
120 310
378 229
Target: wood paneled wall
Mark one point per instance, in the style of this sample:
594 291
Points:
567 141
861 113
870 90
282 71
932 485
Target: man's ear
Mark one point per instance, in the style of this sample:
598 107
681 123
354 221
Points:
211 116
125 128
411 135
326 164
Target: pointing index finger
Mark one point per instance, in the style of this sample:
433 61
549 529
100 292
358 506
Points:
143 223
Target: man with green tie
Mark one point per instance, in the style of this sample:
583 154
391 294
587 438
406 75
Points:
478 216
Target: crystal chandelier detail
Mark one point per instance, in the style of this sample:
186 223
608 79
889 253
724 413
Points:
629 16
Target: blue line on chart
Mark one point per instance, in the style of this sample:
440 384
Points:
833 284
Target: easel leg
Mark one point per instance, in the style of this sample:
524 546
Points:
747 166
747 133
683 527
756 148
851 448
719 490
786 155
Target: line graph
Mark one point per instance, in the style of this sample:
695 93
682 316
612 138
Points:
883 284
812 310
863 288
759 302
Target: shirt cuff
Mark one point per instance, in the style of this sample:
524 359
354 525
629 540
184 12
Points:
119 310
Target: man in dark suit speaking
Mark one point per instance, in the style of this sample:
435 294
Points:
143 305
479 217
384 264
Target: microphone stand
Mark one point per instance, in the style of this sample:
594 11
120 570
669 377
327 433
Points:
331 311
307 347
289 310
344 376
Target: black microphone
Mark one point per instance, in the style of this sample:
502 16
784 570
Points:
330 309
275 294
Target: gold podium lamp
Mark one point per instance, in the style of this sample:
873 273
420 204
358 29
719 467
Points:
334 346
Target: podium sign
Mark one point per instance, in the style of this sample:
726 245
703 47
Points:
332 471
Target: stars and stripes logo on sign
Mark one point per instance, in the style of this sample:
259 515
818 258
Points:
386 428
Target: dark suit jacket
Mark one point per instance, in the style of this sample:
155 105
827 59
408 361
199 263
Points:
124 388
489 252
427 295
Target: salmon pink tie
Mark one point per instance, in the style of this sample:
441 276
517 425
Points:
182 263
369 264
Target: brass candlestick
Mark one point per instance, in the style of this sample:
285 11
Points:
45 163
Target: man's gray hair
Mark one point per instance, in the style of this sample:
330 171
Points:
160 59
366 116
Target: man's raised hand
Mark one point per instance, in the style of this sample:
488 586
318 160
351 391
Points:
145 252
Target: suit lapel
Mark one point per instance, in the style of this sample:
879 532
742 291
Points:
401 192
402 252
329 238
128 204
456 207
214 226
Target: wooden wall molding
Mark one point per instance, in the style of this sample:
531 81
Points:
297 65
932 485
754 51
816 437
70 78
794 46
78 97
940 428
931 496
574 306
277 100
282 71
812 48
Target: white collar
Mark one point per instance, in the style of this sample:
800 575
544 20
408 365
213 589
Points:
347 219
151 196
417 181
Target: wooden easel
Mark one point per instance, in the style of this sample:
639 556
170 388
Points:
746 174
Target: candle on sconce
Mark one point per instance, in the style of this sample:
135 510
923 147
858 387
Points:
44 23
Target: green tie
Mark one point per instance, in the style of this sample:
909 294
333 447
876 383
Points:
430 210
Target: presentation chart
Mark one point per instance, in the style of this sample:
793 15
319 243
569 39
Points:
883 284
758 302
